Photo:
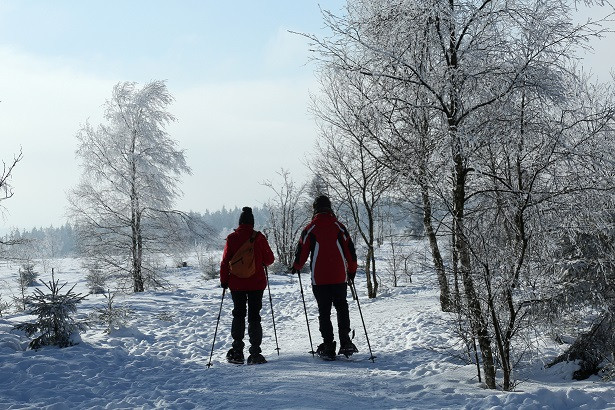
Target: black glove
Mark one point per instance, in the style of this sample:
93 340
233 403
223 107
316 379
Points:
293 270
224 285
351 276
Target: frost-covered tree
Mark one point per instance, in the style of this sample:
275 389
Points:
111 315
537 178
96 279
4 306
355 176
27 274
288 214
6 190
122 208
452 79
55 323
26 277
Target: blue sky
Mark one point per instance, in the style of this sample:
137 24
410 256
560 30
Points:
189 41
241 84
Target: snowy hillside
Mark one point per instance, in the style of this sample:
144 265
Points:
159 360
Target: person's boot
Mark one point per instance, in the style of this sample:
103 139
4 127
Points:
256 358
347 348
235 356
326 351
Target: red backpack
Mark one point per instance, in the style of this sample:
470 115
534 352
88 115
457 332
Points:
242 263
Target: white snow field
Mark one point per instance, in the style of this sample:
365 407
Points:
159 359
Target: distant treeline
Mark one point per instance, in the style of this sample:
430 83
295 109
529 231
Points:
227 219
61 241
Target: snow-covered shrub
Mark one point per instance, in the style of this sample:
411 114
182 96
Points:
112 316
165 316
397 265
608 371
27 275
278 267
4 306
96 279
153 273
55 324
209 265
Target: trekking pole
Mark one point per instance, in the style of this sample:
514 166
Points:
306 316
371 355
216 331
272 317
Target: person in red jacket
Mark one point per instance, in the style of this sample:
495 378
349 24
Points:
333 263
246 290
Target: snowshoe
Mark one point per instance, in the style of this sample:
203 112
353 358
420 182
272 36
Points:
326 351
235 356
256 358
347 349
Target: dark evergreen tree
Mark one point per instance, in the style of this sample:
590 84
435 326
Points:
55 323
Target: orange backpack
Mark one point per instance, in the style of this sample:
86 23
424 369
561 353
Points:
242 263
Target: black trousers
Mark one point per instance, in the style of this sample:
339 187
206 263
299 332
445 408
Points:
327 296
254 301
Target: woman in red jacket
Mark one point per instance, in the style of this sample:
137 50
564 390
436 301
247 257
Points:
246 290
333 263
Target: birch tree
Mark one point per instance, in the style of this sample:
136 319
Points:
131 169
352 171
288 214
459 64
537 178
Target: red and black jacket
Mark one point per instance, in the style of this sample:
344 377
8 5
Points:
263 256
331 250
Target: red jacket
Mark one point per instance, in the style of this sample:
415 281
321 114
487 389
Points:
332 253
262 256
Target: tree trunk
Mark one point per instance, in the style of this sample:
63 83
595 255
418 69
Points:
371 257
445 295
137 254
461 247
374 276
137 239
368 270
477 320
502 340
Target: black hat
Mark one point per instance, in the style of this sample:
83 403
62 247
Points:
246 217
322 203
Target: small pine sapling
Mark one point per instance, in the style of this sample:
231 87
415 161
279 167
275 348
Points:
27 275
4 306
112 316
55 323
96 279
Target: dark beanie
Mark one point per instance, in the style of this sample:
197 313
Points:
246 217
322 203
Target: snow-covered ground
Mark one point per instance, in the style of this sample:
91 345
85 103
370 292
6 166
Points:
159 360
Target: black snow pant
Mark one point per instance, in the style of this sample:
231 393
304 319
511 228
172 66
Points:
327 296
254 299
